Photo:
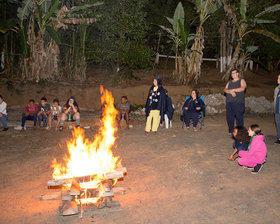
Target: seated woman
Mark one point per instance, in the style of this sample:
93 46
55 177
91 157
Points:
70 112
241 141
191 109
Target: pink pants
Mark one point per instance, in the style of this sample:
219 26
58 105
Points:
248 160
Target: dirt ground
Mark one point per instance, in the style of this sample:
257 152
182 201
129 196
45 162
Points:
173 177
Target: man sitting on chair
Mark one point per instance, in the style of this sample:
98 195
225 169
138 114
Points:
191 110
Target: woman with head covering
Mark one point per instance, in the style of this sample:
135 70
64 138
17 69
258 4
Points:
155 106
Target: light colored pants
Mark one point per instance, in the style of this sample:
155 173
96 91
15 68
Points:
167 122
155 116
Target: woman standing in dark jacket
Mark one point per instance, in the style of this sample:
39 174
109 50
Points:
155 106
191 109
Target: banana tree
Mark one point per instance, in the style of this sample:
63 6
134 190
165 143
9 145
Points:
204 8
245 26
39 22
181 38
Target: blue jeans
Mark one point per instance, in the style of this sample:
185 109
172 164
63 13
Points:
43 118
235 111
30 118
277 122
3 120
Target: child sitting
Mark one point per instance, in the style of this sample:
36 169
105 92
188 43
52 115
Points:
43 112
255 156
241 141
123 107
70 112
30 113
55 113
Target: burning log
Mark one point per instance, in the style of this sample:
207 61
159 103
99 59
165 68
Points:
119 173
66 196
75 189
70 208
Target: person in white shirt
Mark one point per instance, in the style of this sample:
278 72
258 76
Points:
55 114
3 113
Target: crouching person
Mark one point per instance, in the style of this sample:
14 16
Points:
55 114
256 154
70 112
43 112
30 113
123 111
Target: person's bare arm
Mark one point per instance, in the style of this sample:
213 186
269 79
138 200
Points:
58 112
226 90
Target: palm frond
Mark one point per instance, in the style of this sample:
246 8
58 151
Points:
51 11
243 9
270 9
267 33
170 20
262 21
84 6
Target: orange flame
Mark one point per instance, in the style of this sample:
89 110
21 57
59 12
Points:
86 158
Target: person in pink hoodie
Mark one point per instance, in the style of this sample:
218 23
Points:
256 154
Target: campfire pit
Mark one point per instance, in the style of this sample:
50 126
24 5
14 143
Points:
89 170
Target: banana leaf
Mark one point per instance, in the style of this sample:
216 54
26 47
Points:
270 9
10 24
168 30
84 6
178 15
23 42
171 21
243 9
51 11
53 34
267 33
24 11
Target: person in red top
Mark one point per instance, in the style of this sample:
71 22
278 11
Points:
30 113
70 112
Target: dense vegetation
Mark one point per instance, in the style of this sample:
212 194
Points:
53 39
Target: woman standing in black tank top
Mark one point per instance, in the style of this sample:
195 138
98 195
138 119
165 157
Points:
235 100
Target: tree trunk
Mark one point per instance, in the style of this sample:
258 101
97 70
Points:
194 68
233 61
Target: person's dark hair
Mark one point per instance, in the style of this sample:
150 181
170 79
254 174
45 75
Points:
55 100
196 93
44 99
124 97
256 128
234 70
1 97
242 134
159 80
75 102
31 100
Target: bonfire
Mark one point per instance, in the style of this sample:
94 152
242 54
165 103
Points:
89 168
